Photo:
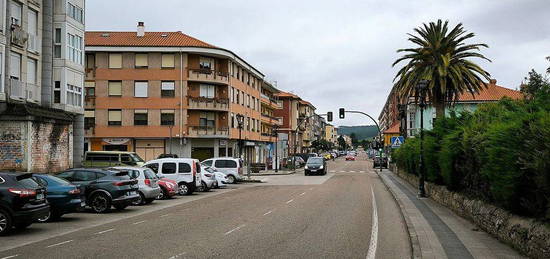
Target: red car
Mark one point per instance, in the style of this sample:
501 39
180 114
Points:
350 158
168 188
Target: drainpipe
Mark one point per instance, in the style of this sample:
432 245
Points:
181 103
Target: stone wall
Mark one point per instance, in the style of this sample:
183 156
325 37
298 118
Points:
528 236
35 146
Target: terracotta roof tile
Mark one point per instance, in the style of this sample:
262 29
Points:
150 39
394 129
286 94
493 92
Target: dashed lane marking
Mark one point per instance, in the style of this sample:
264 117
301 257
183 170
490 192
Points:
371 254
177 256
302 193
352 171
267 213
61 243
139 222
11 256
232 230
104 231
289 201
165 215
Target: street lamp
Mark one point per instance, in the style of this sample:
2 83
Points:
421 88
240 122
274 130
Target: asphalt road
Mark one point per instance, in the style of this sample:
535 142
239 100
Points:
292 216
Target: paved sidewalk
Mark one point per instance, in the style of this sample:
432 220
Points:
280 172
436 232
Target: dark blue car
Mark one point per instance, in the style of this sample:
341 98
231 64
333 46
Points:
63 196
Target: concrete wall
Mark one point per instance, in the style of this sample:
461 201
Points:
528 236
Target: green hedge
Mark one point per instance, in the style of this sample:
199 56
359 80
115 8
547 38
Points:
499 153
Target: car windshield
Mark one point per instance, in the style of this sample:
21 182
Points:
136 158
315 161
209 169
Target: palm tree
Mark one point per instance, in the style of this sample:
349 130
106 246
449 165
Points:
443 58
548 69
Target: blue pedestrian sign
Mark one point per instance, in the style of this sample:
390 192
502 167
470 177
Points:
397 141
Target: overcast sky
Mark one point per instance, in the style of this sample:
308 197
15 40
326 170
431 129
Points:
338 53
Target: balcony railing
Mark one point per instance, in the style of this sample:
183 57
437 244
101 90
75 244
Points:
203 103
208 75
24 91
200 131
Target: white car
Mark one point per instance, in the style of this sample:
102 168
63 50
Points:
185 171
220 177
232 167
207 179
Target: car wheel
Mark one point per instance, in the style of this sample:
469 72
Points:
22 225
121 206
100 203
184 189
5 222
161 194
231 179
140 200
45 218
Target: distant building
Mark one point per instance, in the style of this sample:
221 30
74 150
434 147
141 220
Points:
331 135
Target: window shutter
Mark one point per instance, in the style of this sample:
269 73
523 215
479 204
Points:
89 114
168 86
115 88
115 60
167 111
140 111
141 60
140 89
89 84
115 115
167 60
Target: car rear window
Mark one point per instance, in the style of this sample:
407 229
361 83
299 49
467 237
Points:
169 168
184 168
149 174
133 174
222 163
29 183
154 167
57 180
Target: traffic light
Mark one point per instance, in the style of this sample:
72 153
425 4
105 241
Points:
342 113
329 116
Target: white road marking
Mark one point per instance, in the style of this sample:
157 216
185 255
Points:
139 222
371 254
267 213
176 256
352 171
165 215
289 201
361 171
302 193
58 244
235 229
11 256
104 231
342 171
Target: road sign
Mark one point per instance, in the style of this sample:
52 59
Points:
397 141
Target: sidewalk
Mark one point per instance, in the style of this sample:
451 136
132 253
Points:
436 232
280 172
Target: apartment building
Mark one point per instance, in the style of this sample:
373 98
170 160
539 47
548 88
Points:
290 116
331 135
42 68
307 113
167 92
270 125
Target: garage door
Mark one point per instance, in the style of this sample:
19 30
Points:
149 153
202 153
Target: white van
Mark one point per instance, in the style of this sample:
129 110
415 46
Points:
230 166
185 171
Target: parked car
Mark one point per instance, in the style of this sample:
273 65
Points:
334 154
22 201
380 160
185 171
327 156
350 158
63 196
299 161
148 188
104 188
231 167
220 177
168 188
315 165
98 159
207 180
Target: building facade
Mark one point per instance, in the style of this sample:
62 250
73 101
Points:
42 67
167 92
290 118
272 146
331 135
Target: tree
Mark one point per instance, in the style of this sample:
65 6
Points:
536 85
354 140
443 58
548 69
342 143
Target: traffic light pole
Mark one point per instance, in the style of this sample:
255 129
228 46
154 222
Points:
379 132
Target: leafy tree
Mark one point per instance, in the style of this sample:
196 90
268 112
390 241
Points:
354 140
548 69
443 58
536 85
342 143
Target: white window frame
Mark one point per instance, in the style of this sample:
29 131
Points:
141 89
16 11
57 42
15 70
30 63
74 48
207 91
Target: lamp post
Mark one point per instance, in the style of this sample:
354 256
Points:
240 122
421 88
170 139
274 129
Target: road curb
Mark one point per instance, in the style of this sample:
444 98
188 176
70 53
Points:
289 173
413 237
250 181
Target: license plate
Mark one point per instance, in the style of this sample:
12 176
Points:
132 193
83 204
314 170
40 196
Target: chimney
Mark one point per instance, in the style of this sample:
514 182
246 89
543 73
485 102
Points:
493 81
141 29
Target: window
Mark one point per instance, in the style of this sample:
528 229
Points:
167 60
207 91
207 119
15 12
115 60
140 117
167 117
89 119
141 60
74 95
90 61
74 49
154 167
57 92
247 123
184 168
115 88
140 89
75 12
169 168
84 176
31 71
168 89
57 43
32 30
206 63
248 100
242 98
231 94
411 120
237 99
253 127
15 65
232 120
225 164
115 117
89 88
207 163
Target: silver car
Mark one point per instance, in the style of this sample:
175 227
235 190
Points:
148 189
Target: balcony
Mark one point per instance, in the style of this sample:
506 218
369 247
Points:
271 102
197 131
207 75
271 120
24 91
203 103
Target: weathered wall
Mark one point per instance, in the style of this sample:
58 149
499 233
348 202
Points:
35 146
528 236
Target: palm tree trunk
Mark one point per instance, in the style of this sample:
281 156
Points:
439 110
